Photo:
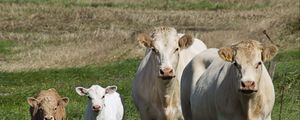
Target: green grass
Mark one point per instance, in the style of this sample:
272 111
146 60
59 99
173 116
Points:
5 46
287 85
17 86
5 49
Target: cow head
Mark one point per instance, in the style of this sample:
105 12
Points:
96 95
248 57
47 107
166 44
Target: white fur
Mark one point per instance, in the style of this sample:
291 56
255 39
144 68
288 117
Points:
156 98
214 91
111 104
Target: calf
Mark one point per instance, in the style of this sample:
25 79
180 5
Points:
48 105
104 103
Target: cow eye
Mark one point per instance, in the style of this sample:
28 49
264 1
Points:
258 64
103 96
55 108
176 50
154 50
89 97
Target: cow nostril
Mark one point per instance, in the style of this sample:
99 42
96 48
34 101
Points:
48 118
243 84
253 83
161 71
171 71
248 84
96 107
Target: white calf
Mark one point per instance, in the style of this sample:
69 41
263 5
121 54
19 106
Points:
104 103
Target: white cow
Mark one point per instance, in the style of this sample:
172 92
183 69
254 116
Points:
235 85
104 103
156 89
191 73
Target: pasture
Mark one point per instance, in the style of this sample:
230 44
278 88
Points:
63 44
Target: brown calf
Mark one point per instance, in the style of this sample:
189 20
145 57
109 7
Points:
48 105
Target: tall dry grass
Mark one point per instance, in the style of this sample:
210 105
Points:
58 36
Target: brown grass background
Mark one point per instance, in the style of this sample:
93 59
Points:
59 36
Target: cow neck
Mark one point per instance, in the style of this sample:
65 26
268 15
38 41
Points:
166 89
251 106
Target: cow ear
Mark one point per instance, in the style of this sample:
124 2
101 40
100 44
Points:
111 89
226 53
185 41
268 52
81 91
32 101
64 101
145 40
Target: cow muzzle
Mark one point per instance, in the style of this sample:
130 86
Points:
247 87
166 73
96 108
48 117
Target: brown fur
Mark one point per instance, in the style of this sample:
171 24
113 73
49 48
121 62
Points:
45 100
145 40
269 52
185 41
226 54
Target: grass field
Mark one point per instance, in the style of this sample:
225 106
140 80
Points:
17 86
67 43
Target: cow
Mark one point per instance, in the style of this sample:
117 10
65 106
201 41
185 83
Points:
103 104
192 72
234 86
156 85
48 105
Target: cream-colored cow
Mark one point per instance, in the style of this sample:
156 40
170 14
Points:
156 89
235 85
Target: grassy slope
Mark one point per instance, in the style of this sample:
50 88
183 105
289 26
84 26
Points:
17 86
155 4
55 34
80 35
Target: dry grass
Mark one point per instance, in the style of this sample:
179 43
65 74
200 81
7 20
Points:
55 36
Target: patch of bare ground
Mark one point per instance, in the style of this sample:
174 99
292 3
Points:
55 36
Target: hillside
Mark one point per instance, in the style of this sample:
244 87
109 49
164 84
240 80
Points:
63 44
40 34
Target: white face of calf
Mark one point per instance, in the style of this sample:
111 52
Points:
96 95
165 43
248 57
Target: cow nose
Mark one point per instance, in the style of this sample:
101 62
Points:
247 85
96 107
166 72
48 118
